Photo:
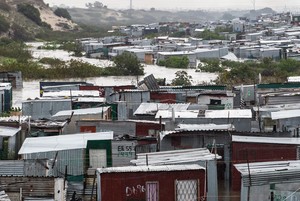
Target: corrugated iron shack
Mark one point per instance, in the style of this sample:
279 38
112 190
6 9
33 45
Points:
168 183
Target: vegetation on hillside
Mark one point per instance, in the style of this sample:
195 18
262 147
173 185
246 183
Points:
83 31
62 12
4 25
30 12
4 6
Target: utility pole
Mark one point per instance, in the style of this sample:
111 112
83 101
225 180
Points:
253 2
130 6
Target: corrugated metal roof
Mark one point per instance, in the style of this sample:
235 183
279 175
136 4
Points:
279 85
294 79
91 99
8 131
152 108
162 168
178 114
186 127
97 110
93 93
175 157
12 167
14 119
216 114
269 172
47 123
285 114
267 140
199 127
62 142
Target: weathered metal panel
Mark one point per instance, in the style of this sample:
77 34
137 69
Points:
122 152
11 168
258 152
38 109
72 159
119 128
281 100
31 186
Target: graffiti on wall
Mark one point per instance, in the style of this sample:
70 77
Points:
135 190
125 151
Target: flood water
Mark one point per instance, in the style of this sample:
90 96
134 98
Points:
31 87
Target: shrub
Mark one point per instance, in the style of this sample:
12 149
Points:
20 33
175 62
4 25
61 12
30 12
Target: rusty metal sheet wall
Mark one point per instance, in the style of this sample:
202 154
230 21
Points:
31 186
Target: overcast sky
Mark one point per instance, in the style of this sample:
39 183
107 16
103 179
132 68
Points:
281 5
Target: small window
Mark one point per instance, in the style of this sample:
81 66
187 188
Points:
215 102
186 190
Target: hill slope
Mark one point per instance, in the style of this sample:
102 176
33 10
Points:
23 27
105 16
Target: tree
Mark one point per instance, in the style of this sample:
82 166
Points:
182 79
61 12
4 25
30 12
128 64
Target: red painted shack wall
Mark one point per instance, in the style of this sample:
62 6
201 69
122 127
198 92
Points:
142 128
163 97
258 152
114 185
87 129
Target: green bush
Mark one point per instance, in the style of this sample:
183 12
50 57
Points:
14 50
30 12
61 12
4 25
211 66
21 34
175 62
128 64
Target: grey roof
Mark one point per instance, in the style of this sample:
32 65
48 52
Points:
198 127
269 172
62 142
285 114
152 108
162 168
6 131
86 111
175 157
234 113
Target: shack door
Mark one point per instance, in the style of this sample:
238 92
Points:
152 191
98 158
186 190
